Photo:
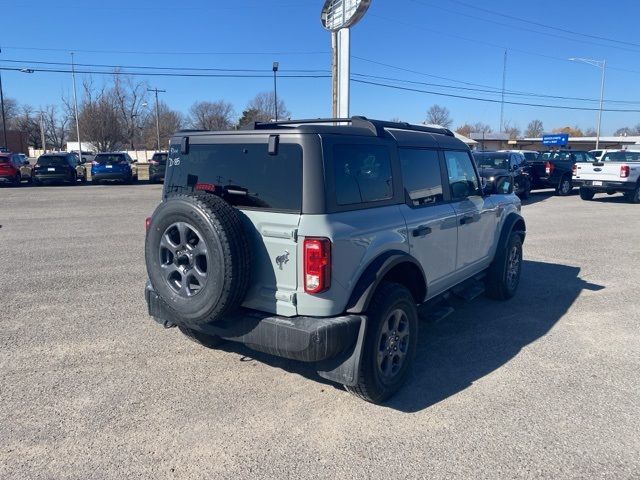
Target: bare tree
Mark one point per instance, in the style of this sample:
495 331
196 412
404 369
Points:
56 125
512 130
27 122
590 132
11 112
170 122
535 129
130 98
211 115
480 127
465 129
437 115
264 104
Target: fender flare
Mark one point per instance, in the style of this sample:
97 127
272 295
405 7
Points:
514 223
373 275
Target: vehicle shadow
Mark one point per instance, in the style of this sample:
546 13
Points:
615 198
478 338
483 335
538 196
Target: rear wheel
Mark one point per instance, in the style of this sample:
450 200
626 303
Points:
586 193
633 196
17 181
204 339
504 273
389 345
564 187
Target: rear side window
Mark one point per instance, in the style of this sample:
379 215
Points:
421 176
245 175
362 174
463 180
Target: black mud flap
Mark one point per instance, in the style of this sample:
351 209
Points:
345 367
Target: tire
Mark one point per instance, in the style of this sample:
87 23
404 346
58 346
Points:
526 193
17 181
586 194
504 273
392 310
204 339
187 235
564 187
634 195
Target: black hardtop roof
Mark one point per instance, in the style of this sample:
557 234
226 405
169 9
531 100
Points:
403 133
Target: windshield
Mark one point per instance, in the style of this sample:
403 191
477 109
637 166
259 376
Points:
110 159
51 161
621 157
496 160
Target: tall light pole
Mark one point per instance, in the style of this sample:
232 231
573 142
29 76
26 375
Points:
157 113
75 105
4 118
275 87
602 64
42 138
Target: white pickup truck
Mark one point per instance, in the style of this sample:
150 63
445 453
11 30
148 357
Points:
616 172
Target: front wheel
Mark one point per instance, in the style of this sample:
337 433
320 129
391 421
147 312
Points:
389 345
565 187
586 194
504 273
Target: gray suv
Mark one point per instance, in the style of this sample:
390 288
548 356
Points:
316 241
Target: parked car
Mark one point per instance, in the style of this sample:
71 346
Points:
87 157
26 168
529 155
493 165
113 167
617 171
315 241
554 169
157 166
10 169
63 167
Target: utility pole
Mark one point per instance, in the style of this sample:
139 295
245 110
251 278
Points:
156 91
275 87
504 82
4 118
75 106
42 138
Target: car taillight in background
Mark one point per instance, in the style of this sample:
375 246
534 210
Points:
624 171
548 168
317 264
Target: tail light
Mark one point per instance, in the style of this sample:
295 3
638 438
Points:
624 171
317 264
548 168
153 162
574 168
147 223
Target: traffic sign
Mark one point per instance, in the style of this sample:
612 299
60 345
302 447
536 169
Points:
561 139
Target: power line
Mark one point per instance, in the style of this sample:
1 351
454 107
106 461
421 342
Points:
148 52
490 100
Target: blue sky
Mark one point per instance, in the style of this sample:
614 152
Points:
453 43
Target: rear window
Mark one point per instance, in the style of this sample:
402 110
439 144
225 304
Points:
161 158
492 160
362 174
110 159
421 176
530 156
245 175
51 161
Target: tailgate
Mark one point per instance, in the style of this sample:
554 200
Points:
607 171
274 262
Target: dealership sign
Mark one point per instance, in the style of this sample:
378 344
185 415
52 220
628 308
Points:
560 139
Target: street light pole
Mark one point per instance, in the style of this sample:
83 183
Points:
276 65
157 113
75 106
4 118
42 139
602 64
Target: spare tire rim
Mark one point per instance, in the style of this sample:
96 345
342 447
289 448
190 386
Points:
513 268
184 259
393 344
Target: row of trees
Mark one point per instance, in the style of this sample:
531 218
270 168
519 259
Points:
439 115
121 115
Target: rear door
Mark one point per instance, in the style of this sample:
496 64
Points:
267 189
431 221
476 215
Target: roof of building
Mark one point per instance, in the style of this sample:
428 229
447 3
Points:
629 139
484 136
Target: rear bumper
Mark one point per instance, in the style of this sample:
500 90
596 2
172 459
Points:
111 176
333 344
607 186
7 179
54 177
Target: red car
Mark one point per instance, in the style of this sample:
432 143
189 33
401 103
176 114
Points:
10 164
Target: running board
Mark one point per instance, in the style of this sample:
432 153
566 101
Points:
469 290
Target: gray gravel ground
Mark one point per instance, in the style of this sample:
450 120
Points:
544 386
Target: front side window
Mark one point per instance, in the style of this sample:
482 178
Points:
463 180
362 174
421 176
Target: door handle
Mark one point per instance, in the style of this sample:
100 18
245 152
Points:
467 219
421 231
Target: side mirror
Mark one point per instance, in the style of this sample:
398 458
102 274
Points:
503 185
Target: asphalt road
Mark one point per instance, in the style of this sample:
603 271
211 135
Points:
546 385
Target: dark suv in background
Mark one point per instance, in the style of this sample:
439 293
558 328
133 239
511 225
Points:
58 168
157 166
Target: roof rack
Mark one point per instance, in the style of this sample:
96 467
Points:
376 127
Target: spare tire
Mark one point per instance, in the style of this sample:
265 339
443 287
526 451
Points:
198 258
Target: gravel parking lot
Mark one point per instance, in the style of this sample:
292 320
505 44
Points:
544 386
